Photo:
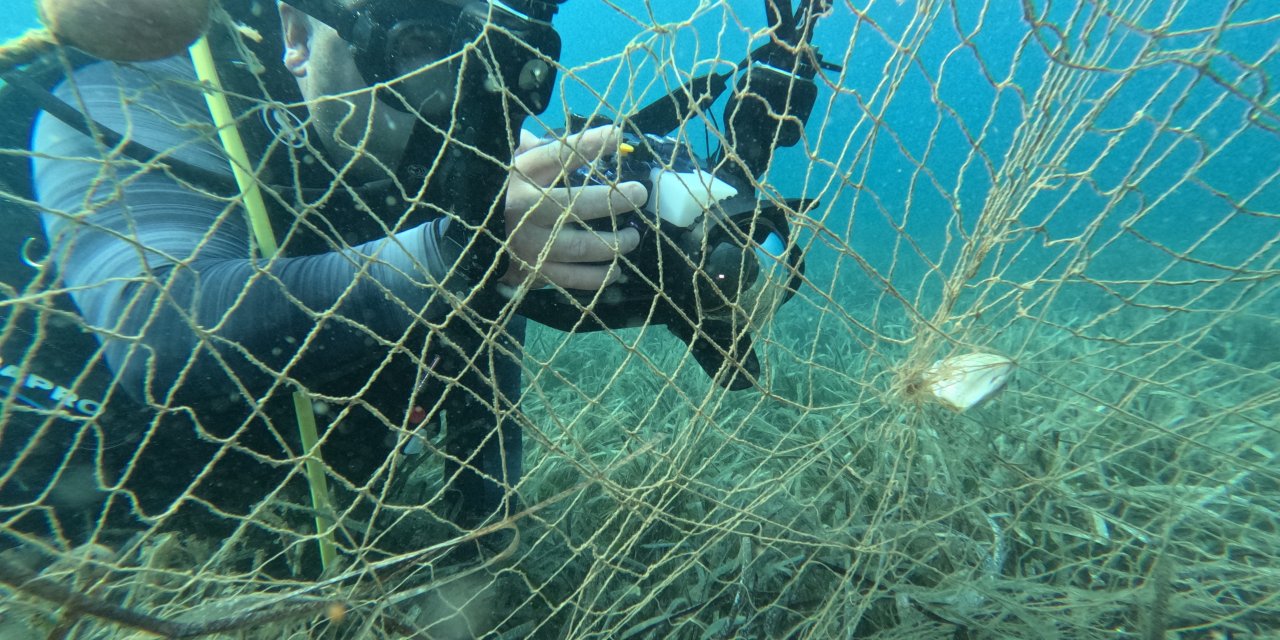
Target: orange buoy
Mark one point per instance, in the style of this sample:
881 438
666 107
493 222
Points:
127 30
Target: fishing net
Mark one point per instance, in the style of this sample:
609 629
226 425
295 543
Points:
1088 189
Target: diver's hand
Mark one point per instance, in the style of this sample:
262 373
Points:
542 246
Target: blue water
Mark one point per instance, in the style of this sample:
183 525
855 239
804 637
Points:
16 16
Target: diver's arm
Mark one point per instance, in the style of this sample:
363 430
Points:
219 315
163 268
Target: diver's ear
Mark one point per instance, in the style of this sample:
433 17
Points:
296 28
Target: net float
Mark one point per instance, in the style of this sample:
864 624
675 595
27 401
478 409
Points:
127 30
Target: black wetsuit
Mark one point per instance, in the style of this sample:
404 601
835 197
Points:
193 328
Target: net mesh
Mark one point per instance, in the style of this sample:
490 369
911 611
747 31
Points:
1088 189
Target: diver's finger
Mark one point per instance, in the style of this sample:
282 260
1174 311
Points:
587 203
528 141
545 164
579 276
582 245
573 245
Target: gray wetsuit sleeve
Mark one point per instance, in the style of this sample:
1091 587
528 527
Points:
163 270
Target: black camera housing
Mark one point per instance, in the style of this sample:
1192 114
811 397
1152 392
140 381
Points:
701 280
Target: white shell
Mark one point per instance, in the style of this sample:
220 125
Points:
964 381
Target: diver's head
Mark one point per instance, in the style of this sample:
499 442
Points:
354 125
371 68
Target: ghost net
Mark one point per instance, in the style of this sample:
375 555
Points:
1088 190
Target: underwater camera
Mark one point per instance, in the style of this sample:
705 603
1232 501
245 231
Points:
712 265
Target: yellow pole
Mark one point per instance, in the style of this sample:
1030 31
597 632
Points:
231 142
315 477
225 122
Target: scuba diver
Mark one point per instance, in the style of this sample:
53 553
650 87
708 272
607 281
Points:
419 225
